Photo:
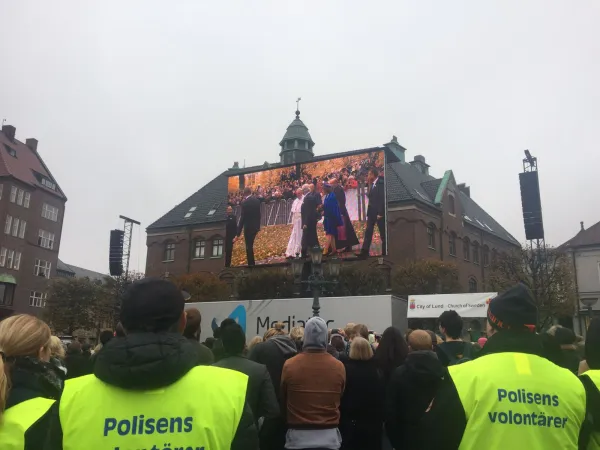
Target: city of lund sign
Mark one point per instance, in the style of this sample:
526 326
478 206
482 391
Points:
466 305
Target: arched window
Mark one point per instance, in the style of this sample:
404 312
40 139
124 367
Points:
472 284
467 249
169 252
199 248
451 206
431 235
486 256
476 252
452 243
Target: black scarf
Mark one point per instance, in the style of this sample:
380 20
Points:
31 377
513 341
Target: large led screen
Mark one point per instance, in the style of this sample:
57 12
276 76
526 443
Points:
336 203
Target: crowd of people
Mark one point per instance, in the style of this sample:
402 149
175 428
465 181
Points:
151 384
289 181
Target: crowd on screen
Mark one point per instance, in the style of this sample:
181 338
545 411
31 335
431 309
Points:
348 177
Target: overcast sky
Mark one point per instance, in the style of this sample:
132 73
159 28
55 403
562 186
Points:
137 104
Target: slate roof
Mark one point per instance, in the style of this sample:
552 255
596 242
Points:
25 165
591 236
297 130
78 272
404 184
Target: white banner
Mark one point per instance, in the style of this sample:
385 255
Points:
432 306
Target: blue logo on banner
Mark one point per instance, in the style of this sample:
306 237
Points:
238 314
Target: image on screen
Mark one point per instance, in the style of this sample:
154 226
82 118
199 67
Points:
282 212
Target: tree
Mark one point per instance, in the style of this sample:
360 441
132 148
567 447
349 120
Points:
203 287
425 277
77 303
546 272
359 280
266 284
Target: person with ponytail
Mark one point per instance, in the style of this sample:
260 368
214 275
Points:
28 383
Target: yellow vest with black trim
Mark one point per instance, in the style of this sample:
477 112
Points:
200 411
18 419
519 401
594 442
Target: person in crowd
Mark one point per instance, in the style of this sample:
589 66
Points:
77 363
481 341
255 340
511 397
312 384
119 330
435 340
310 216
192 331
361 408
297 335
391 352
230 233
105 336
209 342
590 377
86 350
217 349
332 220
566 338
57 358
294 246
351 239
151 374
276 349
411 389
355 330
337 342
375 212
29 385
454 350
260 394
551 349
249 223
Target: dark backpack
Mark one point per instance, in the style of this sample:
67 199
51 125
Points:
465 356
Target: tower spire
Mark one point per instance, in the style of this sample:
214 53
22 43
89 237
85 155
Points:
298 107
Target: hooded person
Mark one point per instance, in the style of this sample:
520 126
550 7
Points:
511 396
312 385
113 404
411 389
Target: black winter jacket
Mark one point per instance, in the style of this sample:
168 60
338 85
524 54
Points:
411 388
260 395
148 361
31 378
273 354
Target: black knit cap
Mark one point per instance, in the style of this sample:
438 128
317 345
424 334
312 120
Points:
151 305
513 309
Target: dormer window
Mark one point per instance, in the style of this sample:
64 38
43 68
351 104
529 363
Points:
49 184
11 151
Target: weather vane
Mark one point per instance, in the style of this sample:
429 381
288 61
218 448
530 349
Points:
298 107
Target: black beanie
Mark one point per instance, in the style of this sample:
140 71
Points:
513 309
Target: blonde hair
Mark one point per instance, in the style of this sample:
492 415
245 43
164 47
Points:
255 340
57 349
20 335
349 330
360 349
277 330
297 333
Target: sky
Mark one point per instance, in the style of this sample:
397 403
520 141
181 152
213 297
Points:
137 104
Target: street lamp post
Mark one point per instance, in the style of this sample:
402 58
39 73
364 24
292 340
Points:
589 303
316 279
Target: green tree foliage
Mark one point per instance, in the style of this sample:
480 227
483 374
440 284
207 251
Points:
266 284
77 303
425 277
547 273
358 279
203 287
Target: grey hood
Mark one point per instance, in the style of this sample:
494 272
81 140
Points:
315 334
285 344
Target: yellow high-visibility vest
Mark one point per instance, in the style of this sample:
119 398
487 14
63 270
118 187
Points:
18 419
200 411
594 442
519 401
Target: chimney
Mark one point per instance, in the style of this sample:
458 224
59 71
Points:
582 227
32 144
236 166
465 189
396 148
9 131
420 164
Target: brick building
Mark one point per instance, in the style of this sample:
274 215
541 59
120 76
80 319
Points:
32 208
428 218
